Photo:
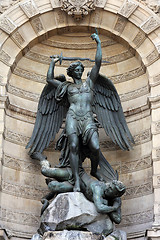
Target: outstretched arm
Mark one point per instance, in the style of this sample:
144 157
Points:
98 58
116 215
50 73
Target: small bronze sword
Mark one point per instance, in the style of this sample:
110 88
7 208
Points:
73 58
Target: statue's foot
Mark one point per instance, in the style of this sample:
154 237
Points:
76 187
98 176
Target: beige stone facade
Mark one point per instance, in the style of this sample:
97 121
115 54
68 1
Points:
31 31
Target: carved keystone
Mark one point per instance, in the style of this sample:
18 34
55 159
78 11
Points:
78 9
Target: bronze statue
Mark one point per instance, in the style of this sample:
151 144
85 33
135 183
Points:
105 196
78 101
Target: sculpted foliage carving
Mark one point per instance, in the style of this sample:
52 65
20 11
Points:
78 9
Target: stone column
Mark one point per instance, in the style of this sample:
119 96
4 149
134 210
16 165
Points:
154 233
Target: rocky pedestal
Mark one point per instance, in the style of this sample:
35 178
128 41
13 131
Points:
78 216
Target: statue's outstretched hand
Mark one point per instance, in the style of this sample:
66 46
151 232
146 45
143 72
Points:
55 58
95 37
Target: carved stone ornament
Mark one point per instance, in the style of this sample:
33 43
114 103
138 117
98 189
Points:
78 9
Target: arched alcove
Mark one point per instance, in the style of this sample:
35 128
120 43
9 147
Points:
30 33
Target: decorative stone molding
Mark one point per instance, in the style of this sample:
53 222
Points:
17 38
23 93
134 94
29 166
78 9
4 57
132 166
139 39
128 75
22 218
150 25
143 137
152 57
96 17
29 8
37 24
24 191
139 190
30 75
120 24
7 25
137 218
19 113
86 46
128 8
16 137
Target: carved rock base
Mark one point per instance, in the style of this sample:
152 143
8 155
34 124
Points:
73 211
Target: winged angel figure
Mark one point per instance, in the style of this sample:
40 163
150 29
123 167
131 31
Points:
78 102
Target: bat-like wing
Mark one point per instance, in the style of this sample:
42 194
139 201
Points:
107 106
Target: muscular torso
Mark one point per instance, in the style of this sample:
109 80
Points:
80 97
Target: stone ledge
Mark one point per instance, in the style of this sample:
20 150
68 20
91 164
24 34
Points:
153 234
3 235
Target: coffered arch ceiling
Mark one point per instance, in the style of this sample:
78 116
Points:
129 23
31 31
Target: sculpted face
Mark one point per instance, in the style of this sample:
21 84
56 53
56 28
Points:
77 73
112 191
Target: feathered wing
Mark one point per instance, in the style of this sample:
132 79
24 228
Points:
107 106
49 119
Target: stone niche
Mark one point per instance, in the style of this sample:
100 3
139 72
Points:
22 180
130 42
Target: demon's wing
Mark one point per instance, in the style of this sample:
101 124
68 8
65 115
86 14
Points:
49 119
108 109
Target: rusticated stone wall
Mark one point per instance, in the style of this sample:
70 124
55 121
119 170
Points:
30 32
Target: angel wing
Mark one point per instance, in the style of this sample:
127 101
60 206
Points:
49 119
107 106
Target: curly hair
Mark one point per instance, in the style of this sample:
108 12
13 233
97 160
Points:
72 66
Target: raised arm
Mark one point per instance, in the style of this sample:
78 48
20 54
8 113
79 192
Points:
98 58
50 73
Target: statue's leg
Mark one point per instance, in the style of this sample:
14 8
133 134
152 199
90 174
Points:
94 156
61 174
45 201
60 187
74 159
